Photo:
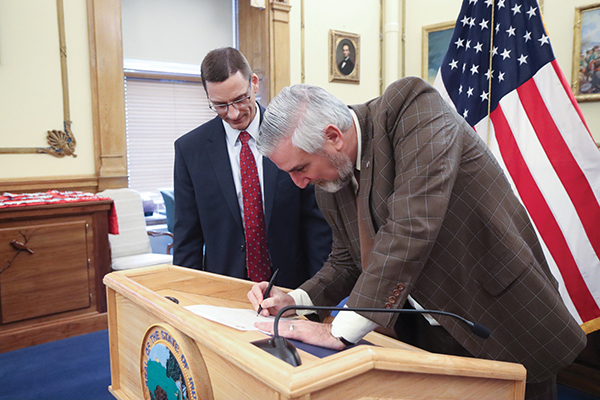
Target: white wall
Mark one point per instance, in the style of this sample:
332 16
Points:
176 31
360 17
559 16
420 13
30 84
31 99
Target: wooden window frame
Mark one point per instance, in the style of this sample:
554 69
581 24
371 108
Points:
107 76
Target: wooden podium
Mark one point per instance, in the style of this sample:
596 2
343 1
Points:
214 361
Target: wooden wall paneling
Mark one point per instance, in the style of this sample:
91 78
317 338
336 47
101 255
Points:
80 183
279 29
254 44
108 93
264 38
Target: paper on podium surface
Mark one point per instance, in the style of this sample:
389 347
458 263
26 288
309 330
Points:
240 319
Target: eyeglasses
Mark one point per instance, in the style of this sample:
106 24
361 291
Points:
237 104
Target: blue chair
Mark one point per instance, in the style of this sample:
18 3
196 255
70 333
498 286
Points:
169 200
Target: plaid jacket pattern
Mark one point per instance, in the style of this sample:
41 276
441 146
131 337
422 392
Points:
448 230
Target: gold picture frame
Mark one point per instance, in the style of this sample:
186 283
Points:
585 81
344 57
434 43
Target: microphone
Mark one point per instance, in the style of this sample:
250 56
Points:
281 348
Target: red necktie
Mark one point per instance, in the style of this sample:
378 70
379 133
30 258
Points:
257 254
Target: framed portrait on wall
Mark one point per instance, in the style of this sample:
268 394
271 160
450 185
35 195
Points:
344 57
586 53
435 41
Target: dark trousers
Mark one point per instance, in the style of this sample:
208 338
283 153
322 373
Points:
416 331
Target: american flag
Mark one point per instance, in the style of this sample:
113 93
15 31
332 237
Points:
524 109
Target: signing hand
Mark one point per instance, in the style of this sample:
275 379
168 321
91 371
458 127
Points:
306 331
271 305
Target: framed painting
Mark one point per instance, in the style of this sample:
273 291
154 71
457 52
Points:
435 41
586 53
344 57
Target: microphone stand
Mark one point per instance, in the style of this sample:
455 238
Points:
281 348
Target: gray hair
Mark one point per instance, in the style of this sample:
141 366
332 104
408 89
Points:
302 112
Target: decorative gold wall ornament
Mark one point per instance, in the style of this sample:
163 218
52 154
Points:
62 143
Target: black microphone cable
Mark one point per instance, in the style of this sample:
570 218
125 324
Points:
281 348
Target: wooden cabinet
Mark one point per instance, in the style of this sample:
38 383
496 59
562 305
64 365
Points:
52 261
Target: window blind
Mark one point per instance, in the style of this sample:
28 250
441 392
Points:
157 113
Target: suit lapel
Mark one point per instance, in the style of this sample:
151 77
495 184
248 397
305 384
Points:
219 158
346 201
270 172
366 165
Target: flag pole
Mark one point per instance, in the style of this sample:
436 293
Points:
489 110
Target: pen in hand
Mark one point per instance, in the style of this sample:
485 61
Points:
268 291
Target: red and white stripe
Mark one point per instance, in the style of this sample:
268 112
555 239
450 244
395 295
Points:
539 136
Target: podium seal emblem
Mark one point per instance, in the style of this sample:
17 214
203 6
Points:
165 370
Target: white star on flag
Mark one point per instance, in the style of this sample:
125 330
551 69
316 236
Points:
532 123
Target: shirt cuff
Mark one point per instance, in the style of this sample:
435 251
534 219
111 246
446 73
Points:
351 326
301 298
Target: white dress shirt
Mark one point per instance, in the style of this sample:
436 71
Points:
234 146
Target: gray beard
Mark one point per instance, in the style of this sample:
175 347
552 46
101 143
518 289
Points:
344 167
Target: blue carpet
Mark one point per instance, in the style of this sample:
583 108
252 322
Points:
76 368
567 393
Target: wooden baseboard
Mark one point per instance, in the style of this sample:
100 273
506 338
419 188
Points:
51 331
78 183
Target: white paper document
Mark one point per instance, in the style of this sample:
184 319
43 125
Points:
241 319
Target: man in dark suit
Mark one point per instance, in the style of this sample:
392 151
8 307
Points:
346 66
209 230
431 221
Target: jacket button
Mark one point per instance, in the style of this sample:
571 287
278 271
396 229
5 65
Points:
396 292
400 286
242 248
392 299
388 305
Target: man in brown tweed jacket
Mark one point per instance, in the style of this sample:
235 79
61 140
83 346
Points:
440 228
